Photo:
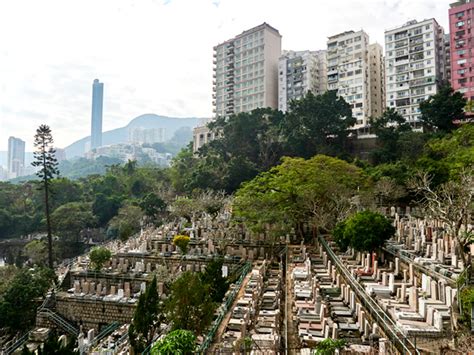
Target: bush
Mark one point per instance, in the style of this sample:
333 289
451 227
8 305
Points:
364 231
98 256
182 242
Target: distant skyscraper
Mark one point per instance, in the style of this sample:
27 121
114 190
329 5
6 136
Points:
97 103
16 156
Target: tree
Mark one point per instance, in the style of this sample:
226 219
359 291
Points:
184 207
365 231
147 318
387 191
127 221
445 157
71 218
317 191
189 306
45 159
212 276
17 306
388 128
98 256
318 125
105 207
443 109
182 242
179 341
37 252
152 205
211 202
450 202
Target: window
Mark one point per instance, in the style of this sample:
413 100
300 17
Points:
459 14
461 61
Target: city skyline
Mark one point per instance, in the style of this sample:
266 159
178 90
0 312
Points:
160 62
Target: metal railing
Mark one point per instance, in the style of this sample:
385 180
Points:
16 345
105 332
410 259
402 343
58 320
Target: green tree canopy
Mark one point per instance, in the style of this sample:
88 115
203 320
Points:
37 252
388 128
127 221
147 318
152 205
212 276
318 125
17 306
98 256
364 231
71 218
177 342
443 109
189 306
317 191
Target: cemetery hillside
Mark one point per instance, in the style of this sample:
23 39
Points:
283 234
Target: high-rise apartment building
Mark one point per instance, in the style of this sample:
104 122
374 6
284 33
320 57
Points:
349 72
245 75
246 71
414 66
300 72
461 20
376 80
16 156
96 121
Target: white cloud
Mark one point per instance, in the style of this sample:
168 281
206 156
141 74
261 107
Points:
153 56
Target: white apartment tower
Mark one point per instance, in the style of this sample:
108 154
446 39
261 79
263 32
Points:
246 71
300 72
414 65
349 73
245 76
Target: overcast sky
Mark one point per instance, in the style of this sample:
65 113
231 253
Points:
154 56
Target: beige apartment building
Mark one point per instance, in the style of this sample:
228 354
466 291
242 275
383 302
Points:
376 80
245 75
350 73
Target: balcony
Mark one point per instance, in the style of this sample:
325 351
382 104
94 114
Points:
422 81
